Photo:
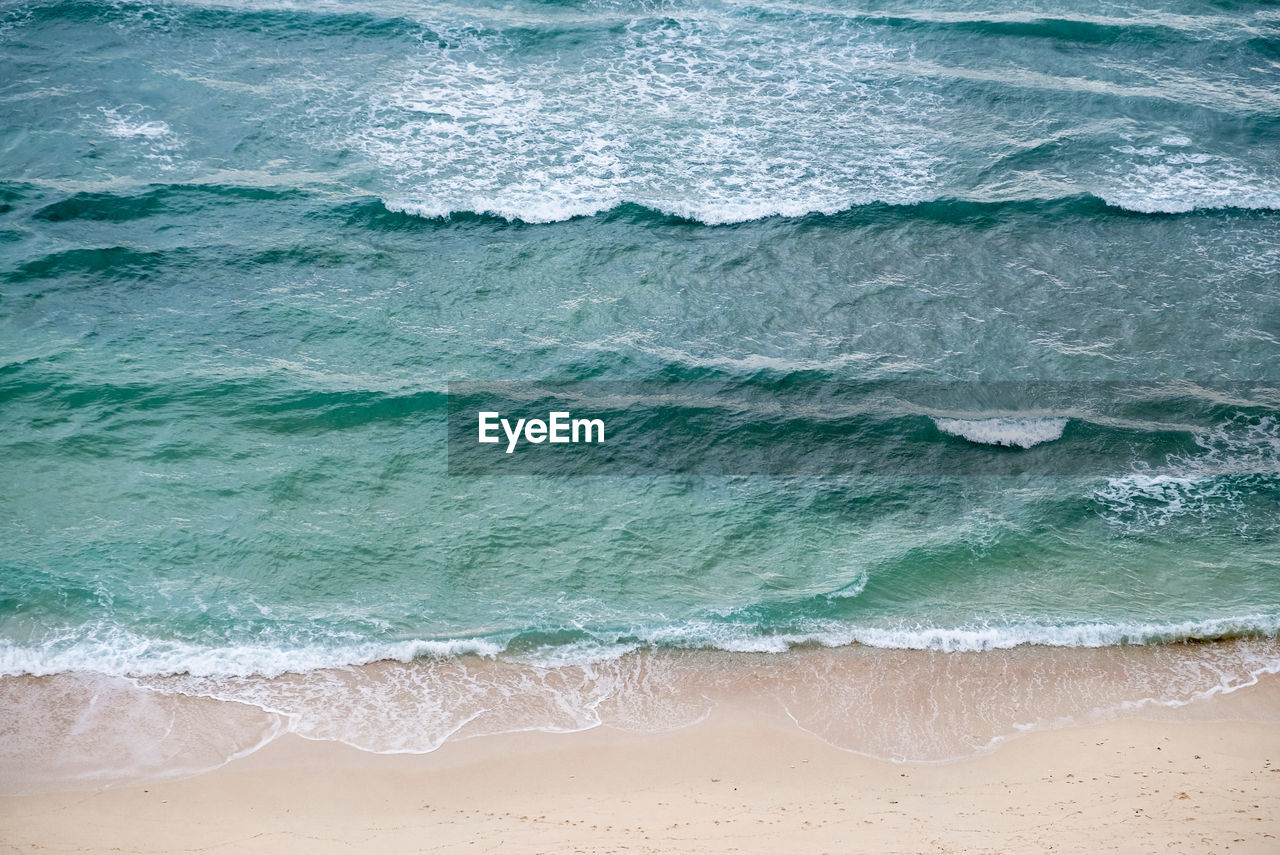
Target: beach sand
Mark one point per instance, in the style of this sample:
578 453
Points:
744 780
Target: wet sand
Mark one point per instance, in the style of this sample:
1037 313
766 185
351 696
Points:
745 780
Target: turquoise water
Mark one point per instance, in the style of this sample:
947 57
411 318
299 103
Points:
245 247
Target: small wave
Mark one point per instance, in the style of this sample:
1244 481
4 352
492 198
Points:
1010 433
739 638
125 654
539 210
1099 634
153 200
948 209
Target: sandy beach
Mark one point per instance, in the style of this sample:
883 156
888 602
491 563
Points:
744 780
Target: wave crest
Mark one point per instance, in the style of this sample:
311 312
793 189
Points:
1010 433
552 208
122 653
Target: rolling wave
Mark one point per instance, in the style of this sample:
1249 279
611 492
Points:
370 211
115 651
1216 198
1017 433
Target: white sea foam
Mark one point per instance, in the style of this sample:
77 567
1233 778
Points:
1155 499
119 127
130 124
1169 179
578 653
414 707
119 652
1009 432
654 117
1236 458
722 118
975 638
1099 634
850 590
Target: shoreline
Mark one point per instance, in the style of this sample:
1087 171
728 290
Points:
745 779
85 731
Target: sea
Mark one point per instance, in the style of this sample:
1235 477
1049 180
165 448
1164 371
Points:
250 250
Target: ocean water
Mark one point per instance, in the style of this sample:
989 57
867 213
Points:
246 247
